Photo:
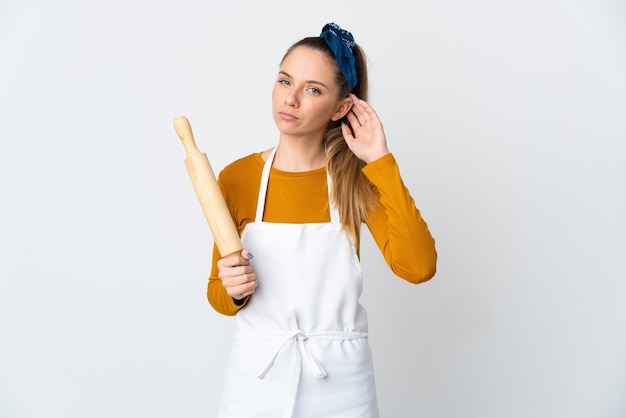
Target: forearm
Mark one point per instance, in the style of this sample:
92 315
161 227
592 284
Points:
397 226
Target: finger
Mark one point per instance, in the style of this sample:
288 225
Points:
251 288
347 132
359 108
234 276
239 284
241 291
233 260
365 111
354 121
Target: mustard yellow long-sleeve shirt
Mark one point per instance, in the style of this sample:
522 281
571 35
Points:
302 197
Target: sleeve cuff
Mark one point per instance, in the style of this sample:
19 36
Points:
378 169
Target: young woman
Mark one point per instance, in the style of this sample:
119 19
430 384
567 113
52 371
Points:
300 347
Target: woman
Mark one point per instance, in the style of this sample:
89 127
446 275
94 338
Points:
300 347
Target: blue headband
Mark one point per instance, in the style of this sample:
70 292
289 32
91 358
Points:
341 43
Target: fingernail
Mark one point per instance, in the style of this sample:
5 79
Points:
249 255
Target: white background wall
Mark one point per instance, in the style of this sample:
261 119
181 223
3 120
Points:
508 120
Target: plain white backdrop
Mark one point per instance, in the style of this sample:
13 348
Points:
508 120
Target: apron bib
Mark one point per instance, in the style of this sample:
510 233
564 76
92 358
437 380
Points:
300 347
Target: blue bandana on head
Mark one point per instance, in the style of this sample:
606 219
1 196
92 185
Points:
341 43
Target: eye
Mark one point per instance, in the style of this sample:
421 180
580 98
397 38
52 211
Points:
284 82
314 90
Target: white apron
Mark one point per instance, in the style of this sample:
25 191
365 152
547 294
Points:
300 347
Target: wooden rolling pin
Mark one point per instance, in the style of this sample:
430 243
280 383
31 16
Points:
208 192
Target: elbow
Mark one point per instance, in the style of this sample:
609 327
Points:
219 300
422 275
428 274
427 268
223 308
422 270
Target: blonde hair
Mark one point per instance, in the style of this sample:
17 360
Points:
352 192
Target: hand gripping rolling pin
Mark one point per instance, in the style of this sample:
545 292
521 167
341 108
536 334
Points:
208 191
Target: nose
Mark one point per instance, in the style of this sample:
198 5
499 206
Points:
291 99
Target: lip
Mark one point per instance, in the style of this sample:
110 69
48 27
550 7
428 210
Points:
287 116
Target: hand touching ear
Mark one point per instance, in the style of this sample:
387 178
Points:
367 138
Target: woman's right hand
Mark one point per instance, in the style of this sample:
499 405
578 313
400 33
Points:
236 274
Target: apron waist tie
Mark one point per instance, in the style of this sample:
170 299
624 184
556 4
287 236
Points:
314 365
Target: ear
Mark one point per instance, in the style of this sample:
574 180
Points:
342 110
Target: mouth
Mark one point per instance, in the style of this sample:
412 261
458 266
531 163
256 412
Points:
287 116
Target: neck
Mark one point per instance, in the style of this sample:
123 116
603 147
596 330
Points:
299 155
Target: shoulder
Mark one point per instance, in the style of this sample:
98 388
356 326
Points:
247 161
243 166
242 173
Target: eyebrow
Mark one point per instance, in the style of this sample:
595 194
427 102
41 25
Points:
307 81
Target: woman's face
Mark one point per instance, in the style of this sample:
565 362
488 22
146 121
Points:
305 95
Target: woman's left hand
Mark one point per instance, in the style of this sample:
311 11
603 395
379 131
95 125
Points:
366 139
